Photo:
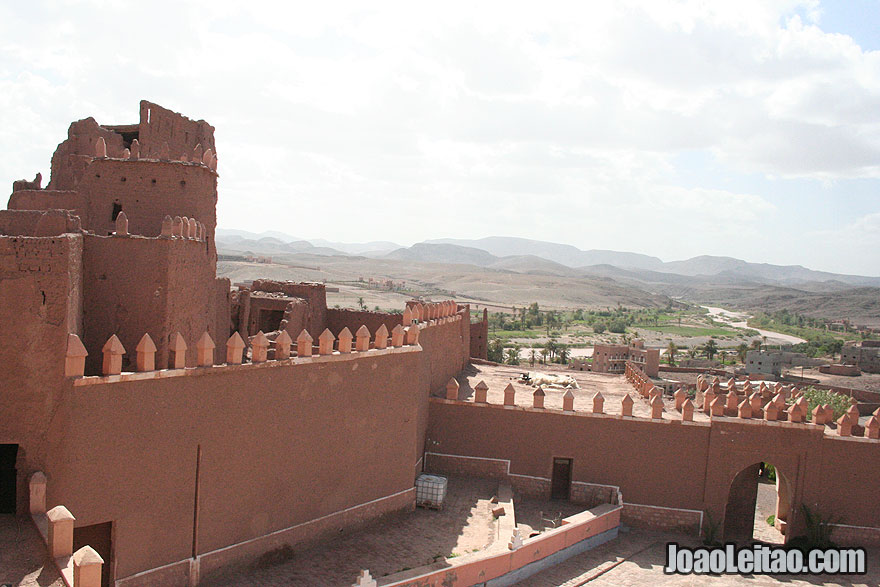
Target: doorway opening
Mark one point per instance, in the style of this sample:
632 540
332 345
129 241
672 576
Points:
270 320
99 537
560 485
758 505
8 478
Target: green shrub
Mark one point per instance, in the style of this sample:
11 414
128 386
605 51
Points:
819 397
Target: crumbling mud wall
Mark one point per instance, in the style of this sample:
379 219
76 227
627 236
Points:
337 319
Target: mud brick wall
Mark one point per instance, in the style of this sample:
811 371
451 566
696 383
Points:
337 319
667 519
268 436
135 285
43 277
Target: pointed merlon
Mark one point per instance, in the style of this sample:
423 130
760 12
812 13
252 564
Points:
680 395
234 349
206 158
481 393
687 410
362 342
381 340
197 154
259 348
345 337
412 334
325 342
771 412
844 425
121 224
135 150
509 395
452 389
872 428
126 154
146 354
60 532
304 344
568 401
794 414
75 359
407 316
716 409
101 148
626 405
167 227
282 346
598 403
744 409
397 336
177 352
113 351
656 408
205 351
177 226
538 398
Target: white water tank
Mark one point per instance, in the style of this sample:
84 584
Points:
430 491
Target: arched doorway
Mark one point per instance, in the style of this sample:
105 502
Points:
756 493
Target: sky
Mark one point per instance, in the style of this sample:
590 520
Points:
749 129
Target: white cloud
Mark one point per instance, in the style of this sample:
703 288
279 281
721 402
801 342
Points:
531 116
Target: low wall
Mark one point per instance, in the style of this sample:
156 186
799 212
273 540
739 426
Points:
589 494
663 518
504 566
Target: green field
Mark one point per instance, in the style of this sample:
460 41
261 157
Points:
690 330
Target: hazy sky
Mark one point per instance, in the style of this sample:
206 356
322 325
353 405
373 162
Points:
741 128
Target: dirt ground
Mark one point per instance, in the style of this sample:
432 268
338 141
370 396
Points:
24 561
395 543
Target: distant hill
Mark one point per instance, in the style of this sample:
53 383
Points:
505 246
443 253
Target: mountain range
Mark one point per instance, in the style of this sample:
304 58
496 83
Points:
704 279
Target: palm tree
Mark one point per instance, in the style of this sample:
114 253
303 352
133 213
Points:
671 350
532 357
544 354
512 356
361 304
710 348
756 344
741 351
564 353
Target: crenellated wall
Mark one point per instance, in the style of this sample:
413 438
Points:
268 435
670 469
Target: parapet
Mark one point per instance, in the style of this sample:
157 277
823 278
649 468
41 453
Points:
38 222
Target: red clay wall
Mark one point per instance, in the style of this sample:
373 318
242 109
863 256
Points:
136 285
337 319
41 289
668 463
480 340
159 125
281 444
